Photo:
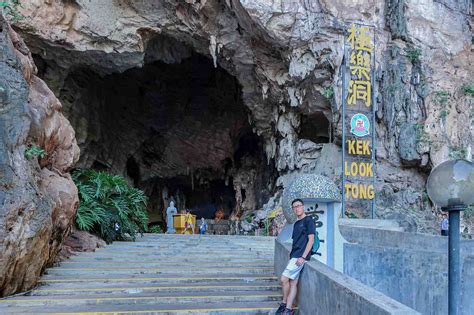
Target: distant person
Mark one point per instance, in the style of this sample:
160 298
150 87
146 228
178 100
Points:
444 225
303 239
203 227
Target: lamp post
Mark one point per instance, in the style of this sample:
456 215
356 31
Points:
451 187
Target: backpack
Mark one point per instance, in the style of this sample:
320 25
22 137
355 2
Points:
317 243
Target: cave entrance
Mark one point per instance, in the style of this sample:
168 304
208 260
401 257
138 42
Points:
315 127
179 131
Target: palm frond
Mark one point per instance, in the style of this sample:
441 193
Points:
108 202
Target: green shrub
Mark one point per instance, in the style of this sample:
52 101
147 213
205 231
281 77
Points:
443 113
413 54
328 93
34 151
457 152
468 89
10 9
442 97
155 229
109 207
468 213
421 134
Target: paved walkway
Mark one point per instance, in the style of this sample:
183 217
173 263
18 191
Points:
160 274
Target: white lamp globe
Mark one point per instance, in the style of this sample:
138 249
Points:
451 183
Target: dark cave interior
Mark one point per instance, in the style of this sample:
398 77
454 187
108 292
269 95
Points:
179 131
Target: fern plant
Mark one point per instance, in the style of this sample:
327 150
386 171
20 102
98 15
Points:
34 151
109 207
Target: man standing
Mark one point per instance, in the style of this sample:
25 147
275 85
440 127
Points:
303 239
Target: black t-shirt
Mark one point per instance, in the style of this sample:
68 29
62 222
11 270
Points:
301 229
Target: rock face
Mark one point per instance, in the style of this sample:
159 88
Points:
79 241
269 62
37 196
284 55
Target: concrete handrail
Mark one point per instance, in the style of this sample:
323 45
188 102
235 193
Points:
323 290
387 238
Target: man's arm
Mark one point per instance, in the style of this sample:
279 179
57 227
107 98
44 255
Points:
307 250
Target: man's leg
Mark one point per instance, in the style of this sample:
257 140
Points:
292 294
285 285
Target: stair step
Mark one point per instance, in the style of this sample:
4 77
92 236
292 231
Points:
112 289
179 249
168 278
171 243
196 296
157 271
196 260
169 283
235 308
197 237
180 254
166 264
161 274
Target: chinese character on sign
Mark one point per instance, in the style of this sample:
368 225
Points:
359 39
359 90
360 65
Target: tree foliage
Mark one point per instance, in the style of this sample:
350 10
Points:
109 207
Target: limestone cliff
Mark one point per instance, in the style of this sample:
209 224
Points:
37 196
131 76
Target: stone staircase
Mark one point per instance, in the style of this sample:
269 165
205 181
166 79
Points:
160 274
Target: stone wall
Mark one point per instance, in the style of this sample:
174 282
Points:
322 290
410 268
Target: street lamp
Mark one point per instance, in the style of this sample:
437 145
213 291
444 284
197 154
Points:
451 187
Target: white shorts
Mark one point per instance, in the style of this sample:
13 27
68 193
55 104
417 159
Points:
292 270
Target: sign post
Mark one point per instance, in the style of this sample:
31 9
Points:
358 121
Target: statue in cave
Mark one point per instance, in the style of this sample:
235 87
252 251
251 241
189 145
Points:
170 211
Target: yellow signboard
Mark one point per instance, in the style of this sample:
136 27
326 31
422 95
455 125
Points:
358 120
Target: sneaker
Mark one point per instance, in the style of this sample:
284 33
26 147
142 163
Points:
280 309
288 311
